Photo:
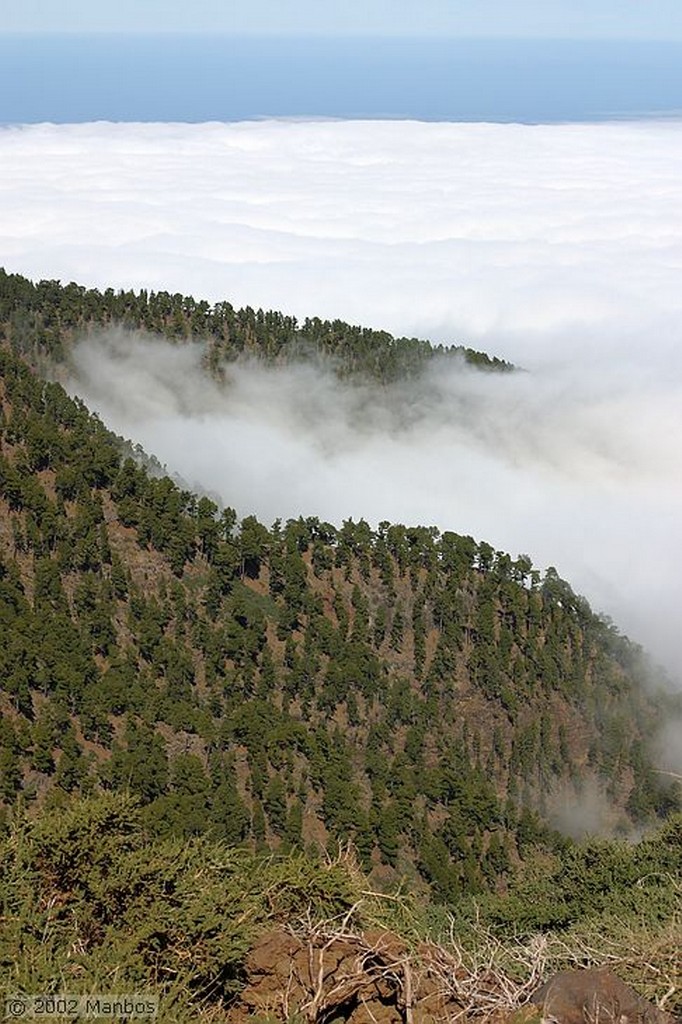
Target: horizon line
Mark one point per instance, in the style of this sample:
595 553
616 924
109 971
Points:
354 36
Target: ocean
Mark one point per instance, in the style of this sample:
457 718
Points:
194 78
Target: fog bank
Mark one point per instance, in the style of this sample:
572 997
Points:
519 239
579 470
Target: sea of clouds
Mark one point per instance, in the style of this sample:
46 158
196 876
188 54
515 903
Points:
557 247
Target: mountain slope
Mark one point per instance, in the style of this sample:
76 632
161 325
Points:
302 685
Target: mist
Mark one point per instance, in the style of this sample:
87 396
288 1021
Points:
557 247
580 471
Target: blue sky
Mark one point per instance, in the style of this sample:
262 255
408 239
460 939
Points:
578 19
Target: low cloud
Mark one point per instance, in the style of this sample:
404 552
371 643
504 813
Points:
579 471
585 810
538 242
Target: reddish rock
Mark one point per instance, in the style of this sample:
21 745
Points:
368 979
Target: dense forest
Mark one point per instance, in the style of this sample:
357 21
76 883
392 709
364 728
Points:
300 687
42 320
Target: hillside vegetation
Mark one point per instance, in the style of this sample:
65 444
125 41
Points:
300 685
92 902
187 696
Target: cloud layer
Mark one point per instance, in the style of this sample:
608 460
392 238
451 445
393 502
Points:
558 247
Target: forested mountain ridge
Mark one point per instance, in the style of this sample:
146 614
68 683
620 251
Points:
295 686
41 322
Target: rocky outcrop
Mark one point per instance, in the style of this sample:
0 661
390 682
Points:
374 978
595 997
361 980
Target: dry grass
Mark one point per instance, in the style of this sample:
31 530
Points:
481 977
